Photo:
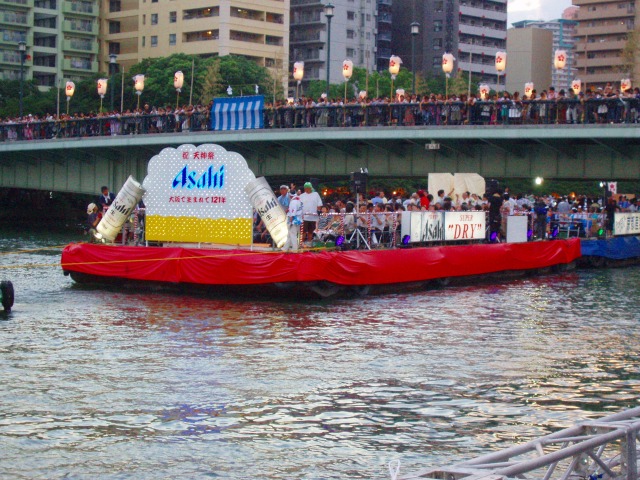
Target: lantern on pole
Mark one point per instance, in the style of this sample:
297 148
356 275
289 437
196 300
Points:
560 59
69 91
347 72
399 93
447 68
394 69
298 75
362 95
102 90
528 90
501 64
484 90
625 84
576 86
178 81
138 85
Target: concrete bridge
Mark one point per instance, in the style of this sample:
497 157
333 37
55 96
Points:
593 151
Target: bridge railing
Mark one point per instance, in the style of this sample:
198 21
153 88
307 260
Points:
425 114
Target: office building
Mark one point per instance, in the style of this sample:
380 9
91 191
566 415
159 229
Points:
563 39
528 58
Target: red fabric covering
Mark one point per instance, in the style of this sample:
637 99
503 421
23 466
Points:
361 267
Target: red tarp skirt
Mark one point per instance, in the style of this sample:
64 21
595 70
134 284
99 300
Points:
355 267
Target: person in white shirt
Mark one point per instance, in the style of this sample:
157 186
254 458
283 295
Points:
294 220
311 202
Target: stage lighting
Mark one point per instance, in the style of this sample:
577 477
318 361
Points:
529 234
600 232
406 239
340 241
554 232
493 237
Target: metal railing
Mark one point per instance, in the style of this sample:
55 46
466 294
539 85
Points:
374 114
600 449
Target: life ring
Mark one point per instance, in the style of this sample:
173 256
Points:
6 288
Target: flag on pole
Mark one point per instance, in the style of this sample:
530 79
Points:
613 187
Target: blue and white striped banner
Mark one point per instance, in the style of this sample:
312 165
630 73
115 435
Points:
237 113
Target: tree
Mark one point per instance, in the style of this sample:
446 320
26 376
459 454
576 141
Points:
630 54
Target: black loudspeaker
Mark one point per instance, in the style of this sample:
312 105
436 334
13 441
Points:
359 182
493 186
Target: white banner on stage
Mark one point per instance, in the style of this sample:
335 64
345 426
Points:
423 226
626 223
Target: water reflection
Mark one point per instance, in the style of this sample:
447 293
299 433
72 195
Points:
110 384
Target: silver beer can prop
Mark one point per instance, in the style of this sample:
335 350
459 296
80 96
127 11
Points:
271 212
120 210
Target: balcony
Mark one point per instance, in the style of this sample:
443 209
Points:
80 45
599 62
14 18
478 49
611 29
17 3
600 78
612 12
83 65
81 8
482 13
600 46
7 57
80 26
482 31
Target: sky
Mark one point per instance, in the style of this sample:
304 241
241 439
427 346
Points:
535 10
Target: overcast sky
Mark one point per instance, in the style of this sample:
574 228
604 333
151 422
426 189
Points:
535 10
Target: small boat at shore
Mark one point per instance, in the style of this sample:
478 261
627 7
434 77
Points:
199 204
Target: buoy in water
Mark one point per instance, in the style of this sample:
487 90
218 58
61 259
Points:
6 294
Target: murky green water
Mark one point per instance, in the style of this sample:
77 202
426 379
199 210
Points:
99 384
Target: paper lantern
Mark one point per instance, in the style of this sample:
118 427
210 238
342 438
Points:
362 95
70 89
394 65
102 87
528 89
501 61
290 100
447 63
347 69
560 59
138 83
298 71
484 90
576 86
178 80
625 84
400 92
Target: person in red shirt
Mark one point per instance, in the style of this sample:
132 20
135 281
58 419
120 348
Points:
424 200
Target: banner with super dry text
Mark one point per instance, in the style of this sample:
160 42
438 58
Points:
465 225
626 223
196 194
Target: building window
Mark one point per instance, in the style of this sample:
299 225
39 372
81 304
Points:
173 17
437 25
154 40
114 47
438 6
437 43
154 19
437 61
368 17
144 41
351 15
172 39
154 1
114 27
144 19
351 53
350 34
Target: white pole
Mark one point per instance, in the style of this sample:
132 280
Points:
122 91
193 63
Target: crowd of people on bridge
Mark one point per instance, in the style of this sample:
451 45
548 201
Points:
601 105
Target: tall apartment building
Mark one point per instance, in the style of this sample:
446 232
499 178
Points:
353 37
472 30
601 37
61 37
138 29
563 39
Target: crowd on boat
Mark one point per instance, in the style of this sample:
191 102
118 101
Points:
606 105
377 217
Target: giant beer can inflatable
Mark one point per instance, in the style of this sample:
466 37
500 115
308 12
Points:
121 209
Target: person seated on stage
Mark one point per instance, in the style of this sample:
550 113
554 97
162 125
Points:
349 220
378 222
105 199
324 231
93 219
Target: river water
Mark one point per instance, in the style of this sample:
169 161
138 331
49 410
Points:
100 384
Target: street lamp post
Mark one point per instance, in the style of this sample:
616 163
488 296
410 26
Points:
112 71
328 12
415 30
22 47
